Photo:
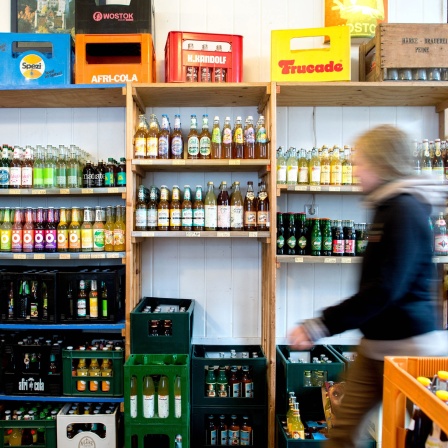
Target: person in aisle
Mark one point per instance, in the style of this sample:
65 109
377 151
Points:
395 307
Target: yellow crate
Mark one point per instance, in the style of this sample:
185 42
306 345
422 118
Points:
400 382
331 63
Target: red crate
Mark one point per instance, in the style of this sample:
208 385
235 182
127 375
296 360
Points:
179 59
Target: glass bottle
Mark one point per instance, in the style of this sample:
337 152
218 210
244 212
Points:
245 432
210 208
104 301
347 167
211 431
418 429
93 300
302 169
17 232
226 152
133 397
338 240
23 299
175 209
198 210
109 230
438 169
290 412
141 210
349 239
234 383
15 169
163 210
163 151
292 167
426 158
81 302
193 139
88 175
280 235
34 301
440 236
263 208
148 396
210 382
291 240
281 167
163 398
327 238
216 143
4 167
109 173
177 397
238 140
221 383
74 231
177 141
249 139
61 168
315 168
247 384
49 168
361 239
325 167
233 431
39 231
336 168
204 139
62 231
236 208
316 238
28 231
98 231
222 431
152 138
187 209
152 217
301 234
297 430
261 140
121 175
140 138
87 231
223 207
51 232
27 168
72 169
100 175
120 230
250 211
11 302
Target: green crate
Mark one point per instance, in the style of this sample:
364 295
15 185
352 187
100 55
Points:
290 376
144 435
179 341
171 365
283 441
344 352
204 356
71 358
48 425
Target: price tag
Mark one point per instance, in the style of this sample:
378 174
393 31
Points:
148 234
149 162
178 162
235 162
86 190
334 189
112 190
38 191
64 256
301 188
347 260
19 257
356 188
223 234
193 234
64 191
329 260
298 259
84 256
436 260
13 191
113 255
39 256
315 188
97 255
253 234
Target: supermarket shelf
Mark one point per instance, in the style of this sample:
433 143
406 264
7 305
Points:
94 326
340 189
62 191
72 95
62 256
61 399
309 259
200 165
199 234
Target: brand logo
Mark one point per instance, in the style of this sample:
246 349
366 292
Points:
288 67
119 16
124 77
32 66
86 442
31 385
208 59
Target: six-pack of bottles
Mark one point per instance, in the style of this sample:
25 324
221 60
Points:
63 167
154 141
225 429
165 210
49 230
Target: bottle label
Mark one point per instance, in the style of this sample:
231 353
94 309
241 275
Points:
316 243
141 216
108 237
39 239
298 434
263 218
238 136
49 177
87 239
177 406
236 216
245 438
250 218
148 406
213 436
338 246
211 216
119 237
15 176
315 175
204 146
51 239
109 179
151 217
281 174
441 244
175 217
187 217
233 437
72 180
4 177
235 390
82 308
291 242
361 246
349 247
17 240
347 175
133 402
210 390
327 243
177 146
193 146
216 135
121 179
98 240
291 175
222 389
223 437
302 242
198 217
223 216
140 147
28 240
281 241
248 390
27 176
152 147
336 175
93 307
303 175
325 174
163 146
163 406
163 217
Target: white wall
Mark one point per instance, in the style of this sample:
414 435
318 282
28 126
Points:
224 277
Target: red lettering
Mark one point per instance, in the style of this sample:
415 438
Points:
285 66
338 68
288 67
319 68
310 68
329 67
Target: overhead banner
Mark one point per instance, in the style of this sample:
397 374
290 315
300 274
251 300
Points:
361 16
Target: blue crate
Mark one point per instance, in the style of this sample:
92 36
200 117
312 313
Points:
36 59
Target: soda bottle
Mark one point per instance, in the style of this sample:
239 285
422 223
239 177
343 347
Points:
133 397
34 301
211 431
222 431
87 231
301 234
177 141
39 231
49 168
193 139
120 230
74 231
210 209
73 168
221 383
215 147
281 167
303 169
210 382
297 430
234 383
336 168
325 167
247 384
347 167
291 241
204 139
121 175
316 238
292 167
109 173
109 230
198 210
28 231
187 209
88 175
220 73
175 209
191 70
152 138
100 177
263 221
350 240
261 140
163 398
440 236
315 168
140 138
227 139
233 431
4 167
141 210
81 303
223 207
15 169
17 232
327 238
236 208
22 300
93 300
104 301
249 139
438 169
178 397
50 232
61 168
163 210
152 216
290 413
27 168
245 432
238 140
11 302
250 212
163 151
98 231
148 397
280 235
94 371
426 158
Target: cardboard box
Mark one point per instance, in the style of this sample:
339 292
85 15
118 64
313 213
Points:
329 63
36 59
410 46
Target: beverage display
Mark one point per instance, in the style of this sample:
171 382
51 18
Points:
234 381
228 429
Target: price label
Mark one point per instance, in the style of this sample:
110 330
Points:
113 190
301 188
253 234
113 255
64 191
97 255
436 260
149 162
178 162
39 256
235 162
298 259
315 188
64 256
346 260
148 234
19 257
84 256
329 260
86 190
334 189
39 192
193 234
223 234
13 191
356 188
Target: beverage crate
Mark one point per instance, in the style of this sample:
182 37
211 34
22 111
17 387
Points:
108 386
28 369
345 353
45 431
204 356
144 435
137 16
400 383
414 46
171 365
99 431
257 419
32 60
47 284
114 58
283 441
185 58
114 279
290 376
179 341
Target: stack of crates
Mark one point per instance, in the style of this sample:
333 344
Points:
114 43
227 405
161 332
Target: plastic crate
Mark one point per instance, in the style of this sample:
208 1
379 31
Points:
171 365
144 435
182 326
400 382
204 356
257 419
290 376
179 58
27 374
70 360
114 279
29 59
88 436
49 427
346 353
